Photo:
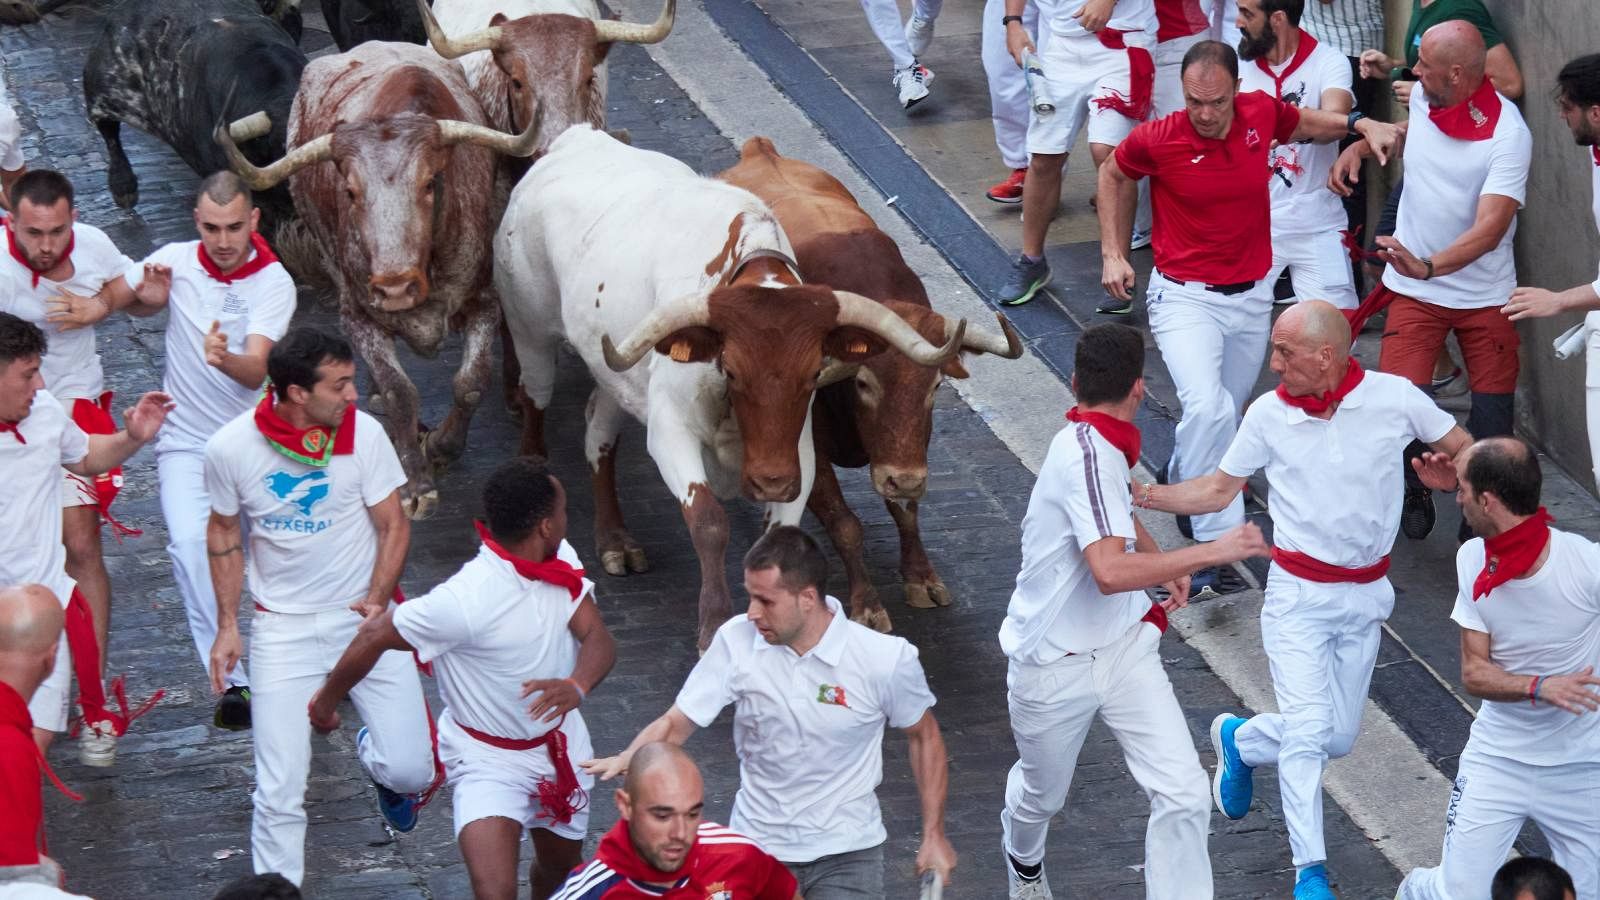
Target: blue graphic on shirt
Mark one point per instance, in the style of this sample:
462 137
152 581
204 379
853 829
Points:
304 492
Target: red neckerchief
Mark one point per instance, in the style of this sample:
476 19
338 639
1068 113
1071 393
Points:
554 570
1596 151
1301 53
1511 553
1474 118
1141 78
14 713
1316 406
314 446
16 252
616 851
1122 435
263 257
14 428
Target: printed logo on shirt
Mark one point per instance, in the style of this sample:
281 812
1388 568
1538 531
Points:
1252 139
233 304
719 891
831 694
1285 162
303 492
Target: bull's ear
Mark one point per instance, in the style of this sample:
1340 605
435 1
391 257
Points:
497 20
693 344
954 368
851 344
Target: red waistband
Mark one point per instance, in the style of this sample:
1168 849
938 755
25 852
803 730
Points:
505 743
1312 569
1156 616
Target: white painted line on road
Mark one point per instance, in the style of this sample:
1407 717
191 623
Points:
1388 788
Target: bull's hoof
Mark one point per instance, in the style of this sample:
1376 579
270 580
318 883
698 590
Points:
874 617
637 562
614 562
125 199
421 506
929 594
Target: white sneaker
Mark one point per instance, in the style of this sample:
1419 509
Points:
919 34
97 746
1027 890
912 82
1139 240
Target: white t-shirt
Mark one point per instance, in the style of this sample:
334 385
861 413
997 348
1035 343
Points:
312 541
1298 172
487 629
1595 204
1081 498
30 547
1444 179
1337 483
10 136
71 367
808 730
1128 15
1546 624
260 304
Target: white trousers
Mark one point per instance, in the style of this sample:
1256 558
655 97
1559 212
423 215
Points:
1591 391
884 18
1318 264
1213 346
186 507
1491 799
1052 707
1008 90
291 655
1166 98
1321 641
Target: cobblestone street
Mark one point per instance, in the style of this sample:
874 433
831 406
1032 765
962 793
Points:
171 819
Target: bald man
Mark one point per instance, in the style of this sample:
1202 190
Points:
660 847
1450 265
30 630
1326 438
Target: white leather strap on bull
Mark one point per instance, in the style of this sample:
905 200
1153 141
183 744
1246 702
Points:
766 253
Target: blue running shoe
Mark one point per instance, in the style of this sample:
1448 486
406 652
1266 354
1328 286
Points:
1234 783
399 810
1313 884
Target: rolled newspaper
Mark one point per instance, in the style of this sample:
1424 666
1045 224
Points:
1038 88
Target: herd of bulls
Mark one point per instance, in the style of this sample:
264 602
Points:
788 334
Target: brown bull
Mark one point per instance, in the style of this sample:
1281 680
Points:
883 416
393 169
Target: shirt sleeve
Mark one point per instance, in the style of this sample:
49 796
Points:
1508 165
568 555
99 254
908 696
1249 452
133 273
1428 422
1469 560
1134 154
219 481
74 442
1097 503
709 686
1287 119
381 472
434 623
1336 73
271 311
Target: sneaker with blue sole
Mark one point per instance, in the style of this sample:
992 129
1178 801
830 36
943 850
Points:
1234 784
1026 279
1312 884
399 810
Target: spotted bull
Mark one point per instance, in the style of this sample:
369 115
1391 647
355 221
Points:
881 417
391 168
621 251
354 22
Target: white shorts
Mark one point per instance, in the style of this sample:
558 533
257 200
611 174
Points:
52 700
77 490
487 781
1080 70
10 139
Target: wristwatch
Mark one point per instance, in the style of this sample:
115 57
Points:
1356 115
1007 20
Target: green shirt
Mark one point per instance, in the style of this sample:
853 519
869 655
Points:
1425 17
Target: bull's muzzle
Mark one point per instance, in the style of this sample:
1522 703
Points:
398 291
771 487
896 483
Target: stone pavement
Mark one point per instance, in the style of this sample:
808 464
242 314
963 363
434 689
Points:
171 819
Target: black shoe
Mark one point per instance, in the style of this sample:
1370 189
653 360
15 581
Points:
233 710
1417 515
1111 306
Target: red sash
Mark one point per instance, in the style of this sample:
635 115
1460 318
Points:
1474 118
1310 568
1375 302
556 797
264 257
94 417
1156 616
1141 78
85 649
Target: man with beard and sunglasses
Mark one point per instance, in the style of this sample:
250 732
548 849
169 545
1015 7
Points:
1281 60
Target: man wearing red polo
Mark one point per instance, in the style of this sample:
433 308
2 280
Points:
1210 305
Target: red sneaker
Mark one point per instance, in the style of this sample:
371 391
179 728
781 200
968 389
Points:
1010 190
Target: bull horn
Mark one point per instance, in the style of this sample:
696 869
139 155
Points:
261 179
687 311
455 48
1006 345
257 124
873 316
524 144
607 31
834 371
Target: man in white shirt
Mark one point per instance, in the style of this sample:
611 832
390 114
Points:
1529 611
38 439
316 481
811 692
1281 60
52 264
518 619
229 300
1327 438
1450 263
1099 72
1083 637
12 164
1578 98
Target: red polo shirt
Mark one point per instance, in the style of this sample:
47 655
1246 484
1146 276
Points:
1179 18
22 823
722 865
1210 197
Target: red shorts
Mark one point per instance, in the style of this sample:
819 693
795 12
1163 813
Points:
94 417
1416 331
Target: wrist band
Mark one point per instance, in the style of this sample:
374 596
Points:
1533 690
582 694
